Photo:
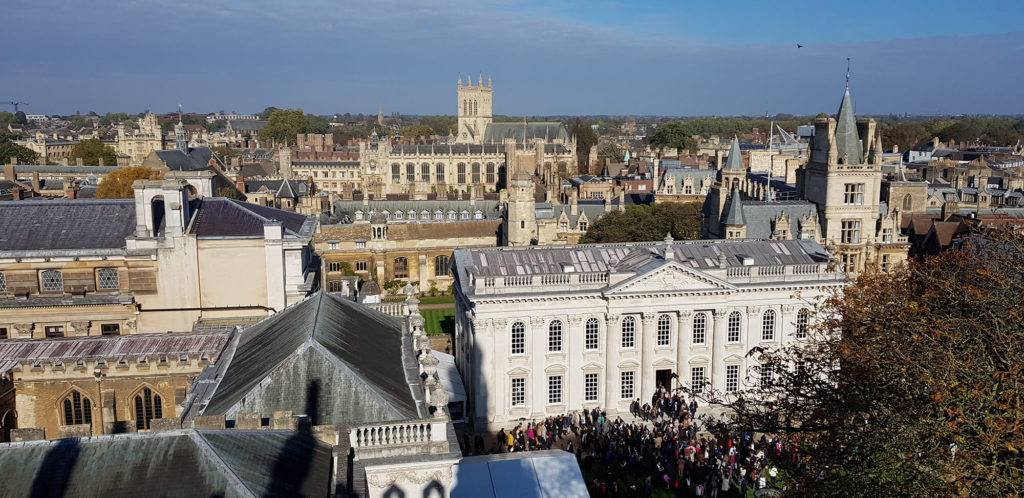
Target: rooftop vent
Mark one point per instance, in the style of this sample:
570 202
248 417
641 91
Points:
567 267
746 260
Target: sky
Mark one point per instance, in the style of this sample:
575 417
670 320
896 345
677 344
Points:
576 57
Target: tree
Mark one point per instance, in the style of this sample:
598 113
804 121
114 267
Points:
441 125
904 368
284 126
415 132
267 112
674 134
647 223
230 193
79 121
20 118
118 184
91 150
22 154
226 153
612 151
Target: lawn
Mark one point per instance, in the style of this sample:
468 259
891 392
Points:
439 321
437 300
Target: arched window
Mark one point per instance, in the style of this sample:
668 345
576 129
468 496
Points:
396 174
490 173
802 317
147 407
591 339
52 281
425 172
410 173
465 107
733 329
440 173
518 338
700 328
908 203
461 172
476 107
768 326
77 409
555 336
401 267
441 266
476 172
664 330
628 332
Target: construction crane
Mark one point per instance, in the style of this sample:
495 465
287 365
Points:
15 104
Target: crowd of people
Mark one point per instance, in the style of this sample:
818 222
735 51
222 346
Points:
661 447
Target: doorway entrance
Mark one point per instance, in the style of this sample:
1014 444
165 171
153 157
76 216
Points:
663 378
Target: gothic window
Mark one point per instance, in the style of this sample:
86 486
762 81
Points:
465 107
440 173
461 170
908 203
583 226
664 330
563 226
802 317
424 172
401 267
476 172
77 409
147 407
733 328
700 328
628 332
768 326
52 281
518 338
441 266
490 173
410 172
360 265
396 174
555 337
591 338
334 286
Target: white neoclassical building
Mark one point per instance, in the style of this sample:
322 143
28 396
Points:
544 330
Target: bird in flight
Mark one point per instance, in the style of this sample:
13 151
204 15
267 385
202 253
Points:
799 45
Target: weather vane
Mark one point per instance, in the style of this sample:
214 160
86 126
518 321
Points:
847 73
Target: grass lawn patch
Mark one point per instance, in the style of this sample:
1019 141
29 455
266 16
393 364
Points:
437 300
439 321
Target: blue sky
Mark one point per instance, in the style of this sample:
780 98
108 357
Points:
575 57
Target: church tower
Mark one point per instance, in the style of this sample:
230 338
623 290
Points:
520 213
843 178
180 141
474 110
731 179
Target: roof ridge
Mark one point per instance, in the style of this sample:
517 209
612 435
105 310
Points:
207 449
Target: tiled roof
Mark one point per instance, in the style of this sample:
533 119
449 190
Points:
65 224
223 217
134 346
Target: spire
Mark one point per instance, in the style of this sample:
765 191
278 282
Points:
180 142
734 209
480 80
847 140
460 79
488 81
877 150
735 160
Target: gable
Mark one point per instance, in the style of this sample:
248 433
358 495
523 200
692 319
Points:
670 277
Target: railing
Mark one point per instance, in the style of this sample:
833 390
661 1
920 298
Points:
411 432
393 309
517 280
554 279
806 269
771 270
737 271
593 278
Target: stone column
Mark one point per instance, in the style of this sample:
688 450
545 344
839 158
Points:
683 333
493 382
611 372
719 335
536 349
646 342
572 346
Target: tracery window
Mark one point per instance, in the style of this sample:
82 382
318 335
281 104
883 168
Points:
77 409
147 407
52 281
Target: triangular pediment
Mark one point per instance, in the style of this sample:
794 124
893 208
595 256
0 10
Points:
670 277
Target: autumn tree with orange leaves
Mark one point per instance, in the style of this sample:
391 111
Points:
910 384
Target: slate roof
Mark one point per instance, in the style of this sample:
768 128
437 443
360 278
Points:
229 463
496 132
33 225
280 188
197 159
223 217
340 361
631 257
734 209
847 140
735 159
13 352
676 176
759 216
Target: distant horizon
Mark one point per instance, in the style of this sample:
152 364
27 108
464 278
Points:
570 58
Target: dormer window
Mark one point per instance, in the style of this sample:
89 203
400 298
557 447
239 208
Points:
398 215
359 215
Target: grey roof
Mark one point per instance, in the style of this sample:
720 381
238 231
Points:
341 362
593 210
760 215
587 258
496 132
223 217
67 170
33 225
197 158
176 463
735 159
280 188
848 143
532 474
676 177
489 208
734 209
13 352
